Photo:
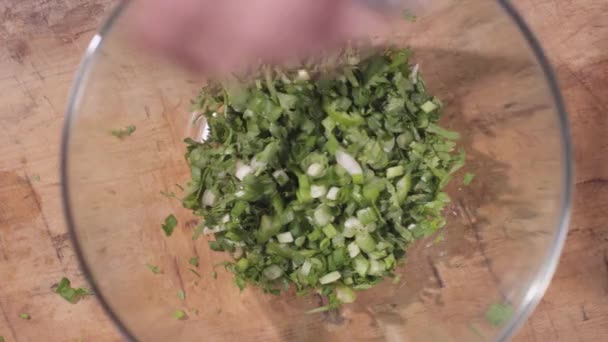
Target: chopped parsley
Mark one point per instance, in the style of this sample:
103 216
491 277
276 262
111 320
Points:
123 132
36 177
498 314
154 269
67 292
181 295
193 261
25 316
179 315
169 225
468 178
168 194
321 183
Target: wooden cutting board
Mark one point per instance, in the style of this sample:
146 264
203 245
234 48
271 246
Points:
41 42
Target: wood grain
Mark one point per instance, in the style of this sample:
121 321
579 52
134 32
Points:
41 43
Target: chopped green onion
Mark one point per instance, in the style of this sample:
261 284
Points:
317 191
315 170
208 198
242 170
273 272
468 178
332 194
428 106
323 216
361 265
393 172
365 242
330 231
306 267
350 165
353 249
366 216
330 277
345 294
285 237
281 177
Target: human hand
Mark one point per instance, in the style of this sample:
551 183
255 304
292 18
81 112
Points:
216 36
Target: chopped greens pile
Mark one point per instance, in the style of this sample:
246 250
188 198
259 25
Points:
321 180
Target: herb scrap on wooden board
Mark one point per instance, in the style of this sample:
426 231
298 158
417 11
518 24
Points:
123 132
194 261
67 292
321 183
154 269
180 315
169 225
497 314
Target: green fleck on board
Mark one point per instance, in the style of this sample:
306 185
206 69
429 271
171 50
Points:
123 132
498 314
169 225
154 269
67 292
468 178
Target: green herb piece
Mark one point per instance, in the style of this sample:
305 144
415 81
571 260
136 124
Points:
180 315
498 314
320 177
214 274
468 178
154 269
72 295
36 177
25 316
168 194
397 279
408 15
181 295
195 272
123 132
193 261
1 338
169 225
476 331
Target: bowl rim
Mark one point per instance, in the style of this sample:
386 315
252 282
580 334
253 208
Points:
537 286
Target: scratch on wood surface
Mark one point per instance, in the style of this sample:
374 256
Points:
45 222
178 274
596 181
472 223
8 323
584 312
436 273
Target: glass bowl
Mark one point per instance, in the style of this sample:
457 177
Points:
477 279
